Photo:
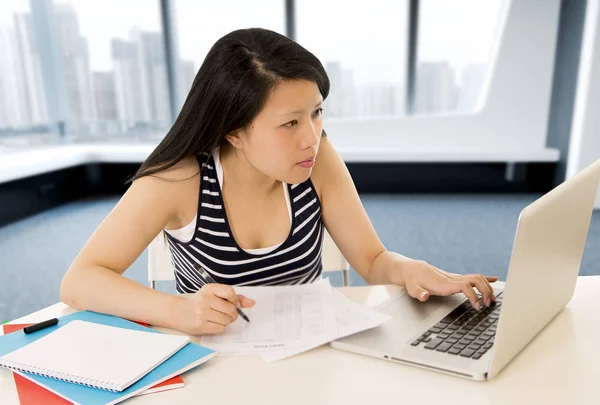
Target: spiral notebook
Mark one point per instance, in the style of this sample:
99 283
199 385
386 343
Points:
95 355
32 393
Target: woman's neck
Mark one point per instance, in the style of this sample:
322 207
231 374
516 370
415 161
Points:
242 177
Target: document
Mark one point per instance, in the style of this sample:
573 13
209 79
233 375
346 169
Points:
351 318
284 317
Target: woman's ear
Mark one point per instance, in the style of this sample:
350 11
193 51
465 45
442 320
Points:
234 139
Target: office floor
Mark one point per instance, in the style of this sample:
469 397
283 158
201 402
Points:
458 233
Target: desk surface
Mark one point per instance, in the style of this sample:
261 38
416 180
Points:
562 365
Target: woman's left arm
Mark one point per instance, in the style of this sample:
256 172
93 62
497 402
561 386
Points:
349 226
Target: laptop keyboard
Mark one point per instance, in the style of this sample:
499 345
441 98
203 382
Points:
465 331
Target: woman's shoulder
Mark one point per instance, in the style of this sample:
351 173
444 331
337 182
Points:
173 183
183 171
177 187
322 171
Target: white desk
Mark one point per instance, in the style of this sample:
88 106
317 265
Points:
561 366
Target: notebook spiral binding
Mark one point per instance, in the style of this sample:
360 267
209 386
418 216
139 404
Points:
88 382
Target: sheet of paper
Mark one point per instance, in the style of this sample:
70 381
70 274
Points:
351 318
283 318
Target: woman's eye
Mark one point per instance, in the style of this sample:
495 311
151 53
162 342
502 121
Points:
293 123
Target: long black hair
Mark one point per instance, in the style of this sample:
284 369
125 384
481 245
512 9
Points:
230 89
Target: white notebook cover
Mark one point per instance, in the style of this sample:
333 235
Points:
96 355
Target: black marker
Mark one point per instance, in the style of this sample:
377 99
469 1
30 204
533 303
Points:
40 326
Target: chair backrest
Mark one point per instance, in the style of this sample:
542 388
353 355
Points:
333 260
160 267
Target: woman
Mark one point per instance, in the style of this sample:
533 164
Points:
242 185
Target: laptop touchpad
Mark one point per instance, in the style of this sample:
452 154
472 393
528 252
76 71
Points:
411 309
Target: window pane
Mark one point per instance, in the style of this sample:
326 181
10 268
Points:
114 66
200 24
22 100
363 49
454 44
103 66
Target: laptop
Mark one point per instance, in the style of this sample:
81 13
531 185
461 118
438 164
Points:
446 334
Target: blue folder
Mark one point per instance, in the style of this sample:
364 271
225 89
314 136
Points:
191 355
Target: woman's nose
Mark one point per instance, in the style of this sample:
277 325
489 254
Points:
310 138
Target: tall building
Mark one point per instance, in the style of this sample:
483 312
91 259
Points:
341 101
105 100
436 90
153 61
378 100
12 101
141 81
349 102
77 73
105 95
23 62
335 97
130 92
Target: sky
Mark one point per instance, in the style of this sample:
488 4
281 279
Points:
368 37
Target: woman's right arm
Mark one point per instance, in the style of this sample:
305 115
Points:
95 282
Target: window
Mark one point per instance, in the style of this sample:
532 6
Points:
363 49
114 66
89 70
454 44
200 24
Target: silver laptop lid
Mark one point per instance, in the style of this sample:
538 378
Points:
544 265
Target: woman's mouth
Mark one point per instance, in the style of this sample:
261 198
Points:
308 163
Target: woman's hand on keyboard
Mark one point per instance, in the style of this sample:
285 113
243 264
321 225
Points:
211 309
422 280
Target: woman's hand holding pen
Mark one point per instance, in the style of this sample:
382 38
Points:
211 309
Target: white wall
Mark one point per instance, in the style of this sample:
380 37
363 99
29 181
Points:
512 116
584 147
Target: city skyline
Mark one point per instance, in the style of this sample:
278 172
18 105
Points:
133 95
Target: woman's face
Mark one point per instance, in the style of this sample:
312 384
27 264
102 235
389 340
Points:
283 140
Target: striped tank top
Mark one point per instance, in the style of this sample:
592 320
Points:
297 260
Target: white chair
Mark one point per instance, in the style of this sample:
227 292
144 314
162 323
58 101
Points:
160 267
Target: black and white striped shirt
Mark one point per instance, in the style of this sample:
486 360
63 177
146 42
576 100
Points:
295 261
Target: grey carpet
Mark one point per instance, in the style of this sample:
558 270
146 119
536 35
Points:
459 233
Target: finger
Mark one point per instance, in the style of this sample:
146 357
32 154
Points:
246 302
483 287
418 292
467 289
219 317
487 280
492 295
226 292
211 328
224 307
491 279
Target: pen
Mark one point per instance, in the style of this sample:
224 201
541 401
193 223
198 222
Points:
211 280
40 326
